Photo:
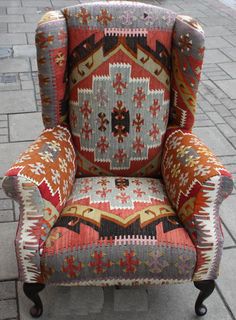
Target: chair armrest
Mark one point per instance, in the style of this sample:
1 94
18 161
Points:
50 164
196 184
41 181
186 164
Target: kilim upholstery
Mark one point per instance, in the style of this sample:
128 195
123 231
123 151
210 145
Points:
117 189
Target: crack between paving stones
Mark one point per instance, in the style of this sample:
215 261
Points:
225 302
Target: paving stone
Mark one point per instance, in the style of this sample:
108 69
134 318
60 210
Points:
232 167
231 39
230 52
230 3
17 101
3 117
40 3
215 56
228 86
3 10
35 17
233 141
231 121
3 27
12 38
16 210
25 76
64 3
201 116
3 139
221 21
5 204
31 38
25 126
14 65
228 103
227 280
34 64
6 216
67 302
213 138
203 123
10 3
228 241
177 302
206 106
212 90
21 27
227 130
7 290
215 117
5 53
222 110
9 81
228 159
130 299
26 85
216 42
24 50
230 68
22 10
8 266
227 213
216 31
8 309
9 153
12 18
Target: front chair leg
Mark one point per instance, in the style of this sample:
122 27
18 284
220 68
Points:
32 290
206 288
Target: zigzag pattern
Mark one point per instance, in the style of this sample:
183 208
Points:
27 244
209 241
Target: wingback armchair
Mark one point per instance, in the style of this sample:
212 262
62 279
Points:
117 190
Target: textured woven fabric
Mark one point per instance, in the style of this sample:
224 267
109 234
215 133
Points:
187 59
197 183
40 180
119 77
113 117
51 42
118 230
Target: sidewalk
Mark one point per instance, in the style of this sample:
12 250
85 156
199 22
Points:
20 123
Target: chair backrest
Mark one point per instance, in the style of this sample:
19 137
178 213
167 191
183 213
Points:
111 66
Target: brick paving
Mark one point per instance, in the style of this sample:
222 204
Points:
215 124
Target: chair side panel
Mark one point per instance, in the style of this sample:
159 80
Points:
51 41
187 59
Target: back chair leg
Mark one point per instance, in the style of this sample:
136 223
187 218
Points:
206 288
32 290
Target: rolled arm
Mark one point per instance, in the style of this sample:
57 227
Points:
196 184
41 181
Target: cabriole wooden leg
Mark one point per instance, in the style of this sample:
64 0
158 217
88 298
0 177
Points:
32 290
206 288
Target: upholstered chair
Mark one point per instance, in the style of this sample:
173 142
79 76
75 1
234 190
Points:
117 190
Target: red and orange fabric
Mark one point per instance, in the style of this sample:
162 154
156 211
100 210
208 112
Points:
197 183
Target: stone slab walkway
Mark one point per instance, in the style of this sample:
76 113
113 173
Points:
215 124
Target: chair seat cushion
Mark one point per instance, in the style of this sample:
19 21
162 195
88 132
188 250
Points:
116 230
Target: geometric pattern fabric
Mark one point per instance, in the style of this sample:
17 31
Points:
119 78
115 227
118 83
120 119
